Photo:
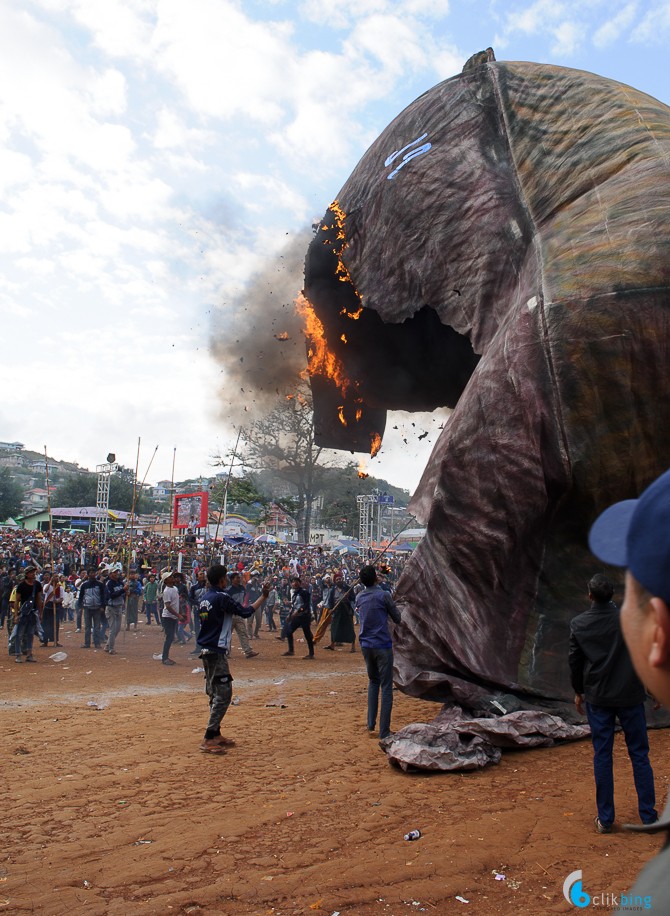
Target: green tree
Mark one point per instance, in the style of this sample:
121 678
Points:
340 488
77 490
283 442
11 495
82 490
241 491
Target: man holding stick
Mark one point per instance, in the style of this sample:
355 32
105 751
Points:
217 610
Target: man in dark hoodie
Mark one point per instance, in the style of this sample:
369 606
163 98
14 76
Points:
604 680
217 610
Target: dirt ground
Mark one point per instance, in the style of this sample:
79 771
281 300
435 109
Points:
110 807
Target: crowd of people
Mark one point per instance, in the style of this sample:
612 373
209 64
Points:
615 659
47 580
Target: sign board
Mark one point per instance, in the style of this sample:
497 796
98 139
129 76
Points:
190 510
385 499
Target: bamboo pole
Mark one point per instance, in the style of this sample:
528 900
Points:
132 506
146 474
174 458
130 544
51 539
223 510
321 628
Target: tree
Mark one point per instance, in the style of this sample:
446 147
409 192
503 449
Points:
340 488
241 491
283 442
243 495
11 495
77 490
82 490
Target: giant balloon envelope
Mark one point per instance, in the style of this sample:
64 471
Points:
502 249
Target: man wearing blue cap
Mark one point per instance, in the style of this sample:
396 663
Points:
635 534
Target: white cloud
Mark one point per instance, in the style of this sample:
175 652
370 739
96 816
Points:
611 30
172 132
120 28
341 15
224 63
568 36
155 153
655 25
391 41
534 18
15 169
262 189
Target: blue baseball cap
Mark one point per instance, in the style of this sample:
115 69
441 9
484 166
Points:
635 534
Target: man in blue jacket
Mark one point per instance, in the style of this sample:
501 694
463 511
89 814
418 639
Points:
216 610
115 599
375 606
92 599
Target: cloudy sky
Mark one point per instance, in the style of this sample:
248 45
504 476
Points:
156 156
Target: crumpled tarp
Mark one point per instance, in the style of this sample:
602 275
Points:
502 249
456 741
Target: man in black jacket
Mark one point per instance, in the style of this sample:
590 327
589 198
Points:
300 616
92 599
603 678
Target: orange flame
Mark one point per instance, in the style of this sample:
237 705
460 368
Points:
320 360
340 414
340 216
362 473
359 414
375 444
283 335
341 270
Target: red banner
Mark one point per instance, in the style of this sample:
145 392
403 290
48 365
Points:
190 510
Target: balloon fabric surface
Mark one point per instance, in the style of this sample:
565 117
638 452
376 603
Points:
502 249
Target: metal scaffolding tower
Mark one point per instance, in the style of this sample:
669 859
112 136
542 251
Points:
366 519
104 472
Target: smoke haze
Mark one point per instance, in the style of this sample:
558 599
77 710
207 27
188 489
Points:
258 339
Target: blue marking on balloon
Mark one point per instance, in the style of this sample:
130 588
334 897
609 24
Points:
408 158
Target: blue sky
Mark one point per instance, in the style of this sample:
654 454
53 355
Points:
155 156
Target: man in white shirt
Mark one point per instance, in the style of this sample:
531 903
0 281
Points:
171 615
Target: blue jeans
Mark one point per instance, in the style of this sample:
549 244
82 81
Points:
379 663
602 720
93 618
25 631
170 627
113 613
151 610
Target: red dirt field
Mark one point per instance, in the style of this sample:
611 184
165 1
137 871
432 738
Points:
114 810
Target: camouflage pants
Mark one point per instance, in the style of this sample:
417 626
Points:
219 687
